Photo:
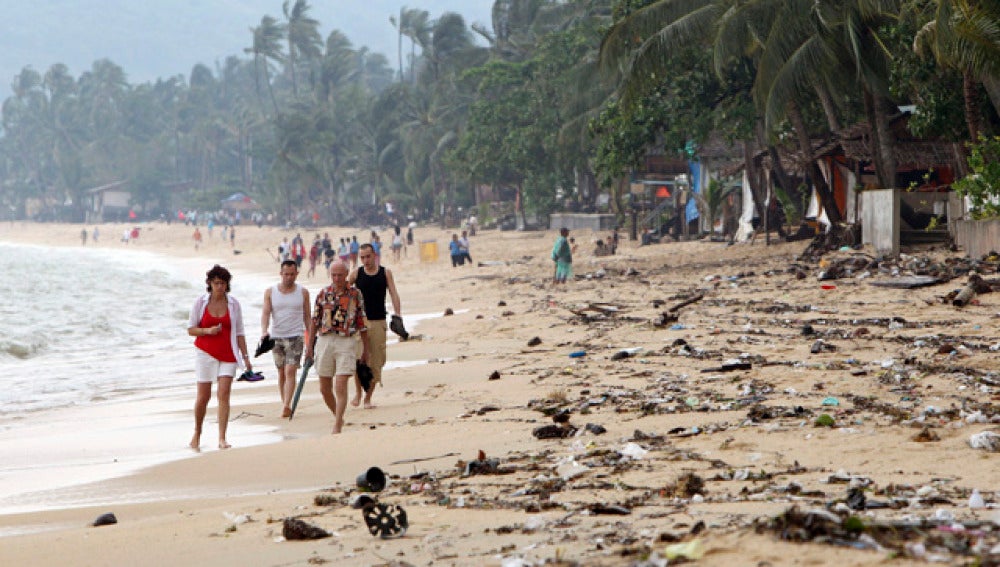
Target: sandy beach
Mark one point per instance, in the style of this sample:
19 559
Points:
709 421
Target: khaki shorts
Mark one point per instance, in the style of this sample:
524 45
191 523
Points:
376 348
287 351
335 355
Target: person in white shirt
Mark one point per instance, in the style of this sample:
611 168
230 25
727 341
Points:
284 319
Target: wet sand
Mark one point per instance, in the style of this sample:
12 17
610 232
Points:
689 447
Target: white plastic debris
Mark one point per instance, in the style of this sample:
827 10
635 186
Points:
236 518
985 440
976 500
633 451
571 469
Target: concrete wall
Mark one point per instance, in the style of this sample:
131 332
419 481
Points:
880 220
580 221
977 237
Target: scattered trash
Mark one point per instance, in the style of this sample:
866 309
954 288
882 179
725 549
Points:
986 440
372 480
386 521
578 354
824 420
691 550
976 500
296 529
830 401
606 509
105 520
571 469
633 451
595 429
554 432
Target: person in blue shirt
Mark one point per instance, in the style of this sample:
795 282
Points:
354 251
457 252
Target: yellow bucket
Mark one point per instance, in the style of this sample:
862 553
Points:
428 251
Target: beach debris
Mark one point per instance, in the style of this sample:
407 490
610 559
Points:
362 501
535 341
686 486
554 431
561 416
569 469
481 465
610 510
105 520
296 529
976 500
386 520
691 550
824 420
372 480
578 354
595 428
448 312
501 303
632 451
495 375
237 519
730 366
926 435
985 440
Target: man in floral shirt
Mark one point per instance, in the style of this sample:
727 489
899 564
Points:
338 323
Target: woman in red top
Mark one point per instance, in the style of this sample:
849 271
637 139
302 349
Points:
216 321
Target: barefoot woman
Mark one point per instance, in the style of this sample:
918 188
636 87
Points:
217 322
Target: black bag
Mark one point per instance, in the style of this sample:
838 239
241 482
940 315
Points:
396 326
365 375
265 344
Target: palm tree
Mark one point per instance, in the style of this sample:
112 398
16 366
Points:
266 47
965 35
303 36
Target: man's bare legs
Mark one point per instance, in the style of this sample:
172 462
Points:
225 387
286 387
200 408
337 402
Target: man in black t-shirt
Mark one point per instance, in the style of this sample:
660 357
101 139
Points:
374 281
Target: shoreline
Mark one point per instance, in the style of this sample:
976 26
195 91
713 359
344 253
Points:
670 414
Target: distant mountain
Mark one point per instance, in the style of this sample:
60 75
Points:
163 38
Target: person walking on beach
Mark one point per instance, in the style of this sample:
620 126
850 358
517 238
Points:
284 319
313 258
338 324
374 281
354 247
463 241
197 238
216 320
83 237
455 250
397 244
562 255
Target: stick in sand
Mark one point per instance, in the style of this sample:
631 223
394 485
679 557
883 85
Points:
298 389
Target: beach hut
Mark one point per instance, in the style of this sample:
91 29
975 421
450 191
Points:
239 202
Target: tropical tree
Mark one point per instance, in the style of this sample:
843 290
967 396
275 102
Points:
266 47
304 39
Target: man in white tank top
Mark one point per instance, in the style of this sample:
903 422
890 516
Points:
286 312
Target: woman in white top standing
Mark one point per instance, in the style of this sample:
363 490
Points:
216 321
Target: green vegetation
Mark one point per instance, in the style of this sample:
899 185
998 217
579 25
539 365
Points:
562 102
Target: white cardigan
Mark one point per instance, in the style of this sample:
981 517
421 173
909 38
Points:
235 316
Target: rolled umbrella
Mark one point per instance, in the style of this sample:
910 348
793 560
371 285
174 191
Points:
298 389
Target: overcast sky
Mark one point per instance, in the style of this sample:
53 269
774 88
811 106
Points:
162 38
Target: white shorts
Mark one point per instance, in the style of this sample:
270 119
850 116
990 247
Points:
335 355
207 368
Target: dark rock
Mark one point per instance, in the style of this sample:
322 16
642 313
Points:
535 341
105 520
495 375
807 330
561 416
620 355
448 312
296 529
501 304
596 429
